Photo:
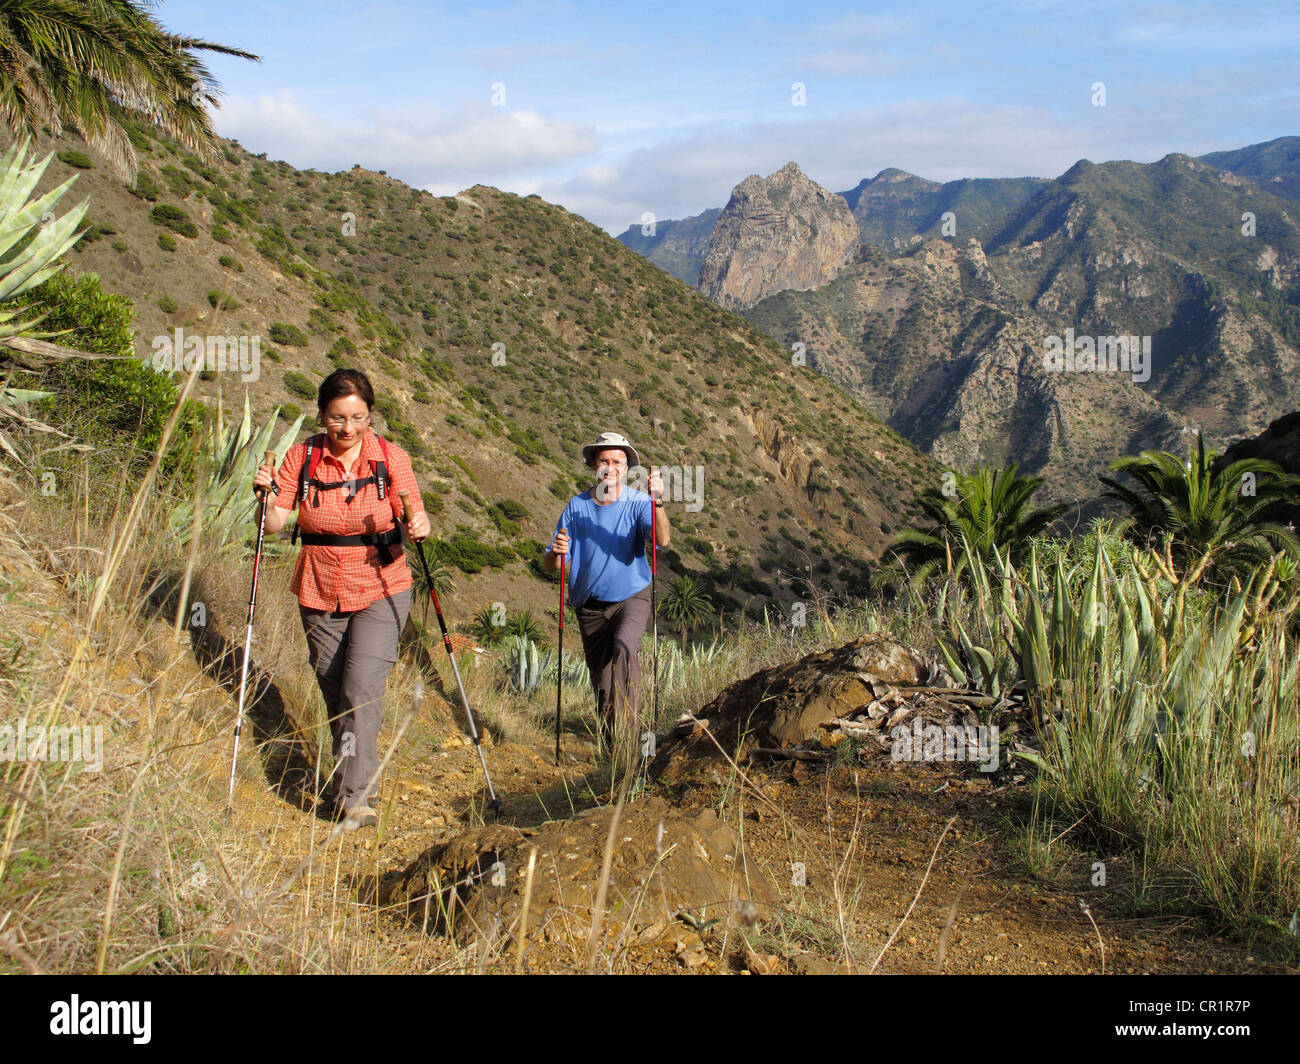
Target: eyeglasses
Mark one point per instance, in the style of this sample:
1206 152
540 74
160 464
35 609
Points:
337 421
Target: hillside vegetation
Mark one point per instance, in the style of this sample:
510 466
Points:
503 333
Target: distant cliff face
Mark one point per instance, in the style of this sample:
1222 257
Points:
675 246
1279 443
779 232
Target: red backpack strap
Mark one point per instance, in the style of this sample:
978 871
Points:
384 479
310 460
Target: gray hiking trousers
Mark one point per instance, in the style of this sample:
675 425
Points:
611 643
352 652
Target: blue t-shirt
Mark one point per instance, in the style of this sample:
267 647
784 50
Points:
607 546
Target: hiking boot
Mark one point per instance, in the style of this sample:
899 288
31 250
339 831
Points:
359 816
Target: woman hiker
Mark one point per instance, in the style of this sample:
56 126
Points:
603 532
352 581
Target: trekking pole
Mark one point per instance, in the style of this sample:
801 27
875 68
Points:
654 601
559 660
248 635
494 802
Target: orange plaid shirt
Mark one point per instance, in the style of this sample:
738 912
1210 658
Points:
347 578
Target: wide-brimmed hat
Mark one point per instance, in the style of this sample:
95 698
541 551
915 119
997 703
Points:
608 441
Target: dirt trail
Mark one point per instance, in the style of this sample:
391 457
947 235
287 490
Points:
864 836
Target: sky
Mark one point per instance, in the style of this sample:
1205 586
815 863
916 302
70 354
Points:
619 111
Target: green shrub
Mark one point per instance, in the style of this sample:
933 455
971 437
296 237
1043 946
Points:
179 180
166 241
287 335
470 555
231 263
320 322
220 234
146 188
168 305
290 412
342 353
221 299
299 385
138 137
120 406
503 524
75 158
173 218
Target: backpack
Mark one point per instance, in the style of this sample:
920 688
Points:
379 476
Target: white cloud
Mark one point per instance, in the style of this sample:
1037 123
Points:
477 143
938 139
857 63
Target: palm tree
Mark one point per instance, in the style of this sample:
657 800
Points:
485 629
1209 520
686 604
88 64
440 573
523 625
989 509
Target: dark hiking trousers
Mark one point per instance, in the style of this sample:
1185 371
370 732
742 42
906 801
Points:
611 642
352 652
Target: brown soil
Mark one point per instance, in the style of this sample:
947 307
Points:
864 834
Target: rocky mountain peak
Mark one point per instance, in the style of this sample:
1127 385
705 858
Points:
778 232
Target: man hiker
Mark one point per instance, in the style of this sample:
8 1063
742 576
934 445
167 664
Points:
352 581
603 533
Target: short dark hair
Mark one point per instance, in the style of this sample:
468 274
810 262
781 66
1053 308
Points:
344 382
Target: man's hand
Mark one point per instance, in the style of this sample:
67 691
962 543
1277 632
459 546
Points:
560 544
656 485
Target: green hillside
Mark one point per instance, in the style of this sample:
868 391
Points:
503 333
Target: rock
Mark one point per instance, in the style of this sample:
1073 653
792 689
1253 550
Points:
778 232
787 705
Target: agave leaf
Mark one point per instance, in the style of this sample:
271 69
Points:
1063 615
1039 762
1035 664
22 395
950 659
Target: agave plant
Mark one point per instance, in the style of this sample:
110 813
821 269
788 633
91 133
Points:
231 455
32 241
1166 721
1113 648
526 667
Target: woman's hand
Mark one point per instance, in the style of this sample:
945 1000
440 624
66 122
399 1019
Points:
418 527
264 479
